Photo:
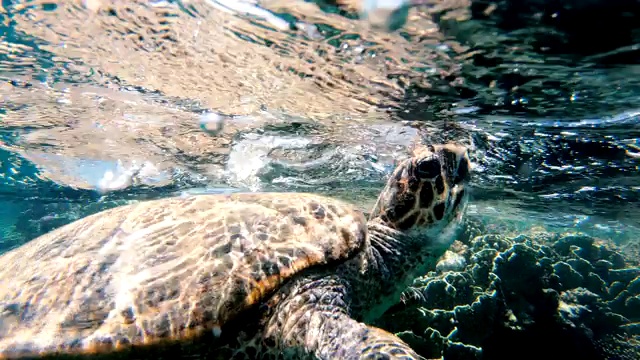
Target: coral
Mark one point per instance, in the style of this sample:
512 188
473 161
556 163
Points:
533 295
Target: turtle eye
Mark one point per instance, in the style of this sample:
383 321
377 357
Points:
428 169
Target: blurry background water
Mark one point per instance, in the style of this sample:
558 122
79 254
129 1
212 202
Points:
107 102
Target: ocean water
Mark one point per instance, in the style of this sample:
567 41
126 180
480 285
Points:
107 103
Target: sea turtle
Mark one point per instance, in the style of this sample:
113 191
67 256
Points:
243 275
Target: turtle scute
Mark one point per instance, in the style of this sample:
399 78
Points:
164 270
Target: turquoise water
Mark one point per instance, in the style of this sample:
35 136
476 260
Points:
554 141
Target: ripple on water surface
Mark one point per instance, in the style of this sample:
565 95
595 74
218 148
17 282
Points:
87 122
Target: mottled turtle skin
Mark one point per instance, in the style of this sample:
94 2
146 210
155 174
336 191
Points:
246 275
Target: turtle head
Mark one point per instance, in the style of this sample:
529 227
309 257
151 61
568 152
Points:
427 191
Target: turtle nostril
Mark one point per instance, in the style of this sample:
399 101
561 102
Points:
428 169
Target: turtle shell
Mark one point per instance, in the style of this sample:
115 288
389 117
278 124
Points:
168 269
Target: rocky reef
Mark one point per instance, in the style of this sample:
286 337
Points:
528 296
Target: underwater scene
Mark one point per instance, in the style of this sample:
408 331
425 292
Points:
171 127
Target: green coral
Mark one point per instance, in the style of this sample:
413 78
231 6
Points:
571 292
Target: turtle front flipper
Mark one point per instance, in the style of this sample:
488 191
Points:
356 340
311 319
